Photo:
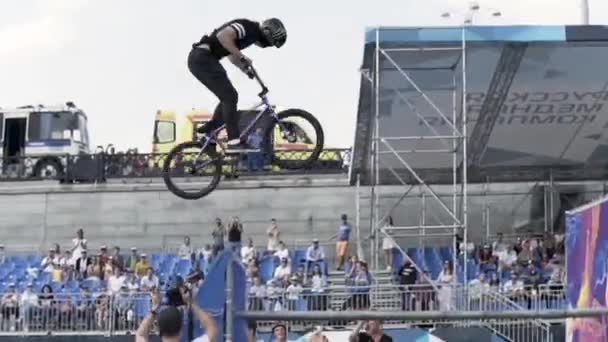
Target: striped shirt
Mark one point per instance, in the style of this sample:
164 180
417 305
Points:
247 33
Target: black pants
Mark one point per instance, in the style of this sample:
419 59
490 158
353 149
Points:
208 70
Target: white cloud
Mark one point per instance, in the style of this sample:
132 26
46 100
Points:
48 29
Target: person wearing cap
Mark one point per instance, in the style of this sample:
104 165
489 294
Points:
314 254
292 292
342 238
49 261
142 265
103 250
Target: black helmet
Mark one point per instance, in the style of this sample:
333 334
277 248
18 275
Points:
274 32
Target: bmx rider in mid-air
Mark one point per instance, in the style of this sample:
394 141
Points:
204 63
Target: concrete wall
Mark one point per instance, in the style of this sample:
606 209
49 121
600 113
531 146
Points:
146 215
143 213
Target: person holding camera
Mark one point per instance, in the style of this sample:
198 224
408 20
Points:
170 321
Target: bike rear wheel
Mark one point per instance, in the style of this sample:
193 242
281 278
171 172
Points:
186 159
302 157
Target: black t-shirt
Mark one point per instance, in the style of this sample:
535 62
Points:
247 33
364 337
234 233
408 275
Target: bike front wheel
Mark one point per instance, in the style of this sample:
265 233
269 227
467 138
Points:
190 173
299 142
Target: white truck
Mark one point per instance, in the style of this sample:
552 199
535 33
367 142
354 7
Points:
37 140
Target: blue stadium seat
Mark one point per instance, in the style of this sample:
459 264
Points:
446 253
299 256
397 260
433 261
416 256
266 269
56 286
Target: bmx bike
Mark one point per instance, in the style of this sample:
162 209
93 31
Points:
201 158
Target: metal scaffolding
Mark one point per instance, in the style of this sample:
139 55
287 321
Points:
454 145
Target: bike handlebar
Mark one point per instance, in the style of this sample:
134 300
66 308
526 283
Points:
252 73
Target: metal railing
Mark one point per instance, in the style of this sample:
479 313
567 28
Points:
72 313
103 313
525 330
413 298
101 166
542 297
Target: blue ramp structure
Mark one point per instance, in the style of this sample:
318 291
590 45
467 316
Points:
211 297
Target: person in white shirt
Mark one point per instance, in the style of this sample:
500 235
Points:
292 293
282 272
28 298
499 245
206 252
66 260
149 282
248 252
116 281
514 287
314 254
131 281
49 262
28 303
445 281
79 243
477 288
185 251
274 236
282 251
257 295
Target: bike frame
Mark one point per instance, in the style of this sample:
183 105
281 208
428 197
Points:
264 108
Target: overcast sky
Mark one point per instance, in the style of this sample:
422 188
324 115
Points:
122 60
